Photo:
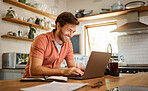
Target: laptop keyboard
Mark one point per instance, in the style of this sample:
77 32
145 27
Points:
75 77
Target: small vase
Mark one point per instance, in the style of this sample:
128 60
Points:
48 24
42 23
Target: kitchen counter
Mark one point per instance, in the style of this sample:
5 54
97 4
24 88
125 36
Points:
132 69
139 79
6 74
12 70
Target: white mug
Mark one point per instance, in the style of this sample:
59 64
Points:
20 17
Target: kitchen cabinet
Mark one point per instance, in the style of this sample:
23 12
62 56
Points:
16 37
111 14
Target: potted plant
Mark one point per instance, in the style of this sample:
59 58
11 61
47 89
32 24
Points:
22 1
31 32
10 13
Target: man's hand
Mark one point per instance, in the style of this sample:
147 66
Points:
72 71
82 69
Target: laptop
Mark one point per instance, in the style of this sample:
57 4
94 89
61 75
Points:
96 65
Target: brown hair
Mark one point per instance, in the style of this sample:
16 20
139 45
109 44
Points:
66 17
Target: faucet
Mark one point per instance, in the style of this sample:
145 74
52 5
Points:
109 48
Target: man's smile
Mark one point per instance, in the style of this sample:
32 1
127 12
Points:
67 37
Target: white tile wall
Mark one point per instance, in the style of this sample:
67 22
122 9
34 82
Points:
134 48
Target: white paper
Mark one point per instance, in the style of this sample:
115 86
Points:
60 78
56 86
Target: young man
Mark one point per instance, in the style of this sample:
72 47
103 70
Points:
49 50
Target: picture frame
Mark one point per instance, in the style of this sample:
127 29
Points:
76 42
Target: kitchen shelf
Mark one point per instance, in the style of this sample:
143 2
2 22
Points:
52 25
16 37
111 14
25 23
27 7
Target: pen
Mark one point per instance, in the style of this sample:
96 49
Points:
98 84
44 76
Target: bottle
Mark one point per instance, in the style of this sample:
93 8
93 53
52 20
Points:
37 21
122 61
20 33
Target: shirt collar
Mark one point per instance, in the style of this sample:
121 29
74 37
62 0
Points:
52 35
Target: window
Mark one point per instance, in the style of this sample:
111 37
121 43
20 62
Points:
98 37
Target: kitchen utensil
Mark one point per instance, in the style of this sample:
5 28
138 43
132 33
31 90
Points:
105 10
134 4
117 6
82 13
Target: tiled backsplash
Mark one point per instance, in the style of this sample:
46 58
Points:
134 48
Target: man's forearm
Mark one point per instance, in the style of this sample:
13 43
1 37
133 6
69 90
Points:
39 71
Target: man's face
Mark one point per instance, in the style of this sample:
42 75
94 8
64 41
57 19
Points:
66 32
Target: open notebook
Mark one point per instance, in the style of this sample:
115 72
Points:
45 78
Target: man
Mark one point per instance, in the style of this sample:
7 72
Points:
49 50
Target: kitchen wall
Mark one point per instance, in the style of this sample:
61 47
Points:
20 46
133 47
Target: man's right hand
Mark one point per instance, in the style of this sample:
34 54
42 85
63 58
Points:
72 71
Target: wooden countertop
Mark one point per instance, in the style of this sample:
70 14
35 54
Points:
139 79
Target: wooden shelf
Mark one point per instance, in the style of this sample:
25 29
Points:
52 25
25 23
111 14
27 7
15 37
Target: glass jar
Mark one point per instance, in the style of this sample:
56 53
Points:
54 10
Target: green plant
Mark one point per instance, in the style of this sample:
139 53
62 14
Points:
31 32
10 13
22 1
